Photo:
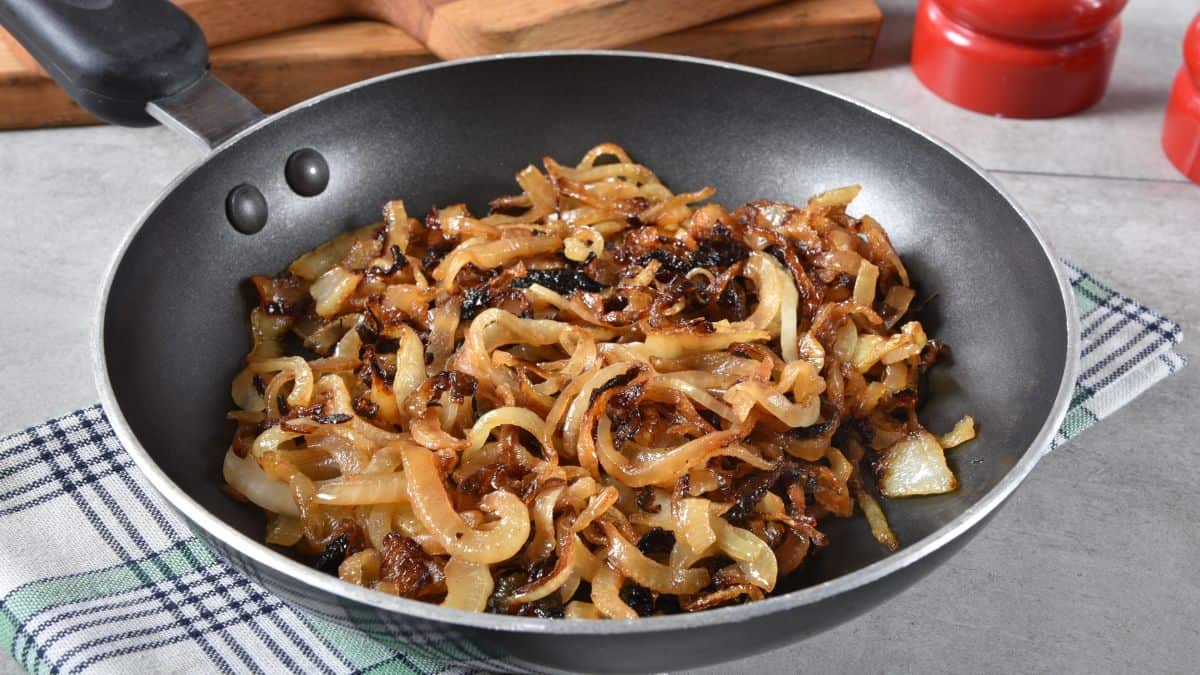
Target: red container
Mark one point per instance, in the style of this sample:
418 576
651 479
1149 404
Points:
1017 58
1181 129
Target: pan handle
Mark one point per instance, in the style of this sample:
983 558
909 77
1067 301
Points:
130 62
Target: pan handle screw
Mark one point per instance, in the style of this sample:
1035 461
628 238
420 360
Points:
246 209
307 172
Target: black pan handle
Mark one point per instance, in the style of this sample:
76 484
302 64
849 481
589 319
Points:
114 57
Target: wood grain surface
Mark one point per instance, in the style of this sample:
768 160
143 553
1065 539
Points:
461 28
800 36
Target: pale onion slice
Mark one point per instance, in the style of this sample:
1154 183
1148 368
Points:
606 594
864 283
632 563
361 568
294 368
789 306
284 530
444 327
768 277
468 585
659 466
770 503
333 290
586 563
916 465
872 349
845 341
270 440
410 366
387 488
878 522
398 226
878 240
672 382
692 523
675 345
542 543
571 413
835 197
963 431
597 505
812 351
755 559
563 571
909 342
492 543
245 396
492 254
247 477
577 609
898 298
867 350
516 416
319 260
744 395
379 522
583 242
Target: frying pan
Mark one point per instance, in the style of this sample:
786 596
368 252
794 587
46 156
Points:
172 323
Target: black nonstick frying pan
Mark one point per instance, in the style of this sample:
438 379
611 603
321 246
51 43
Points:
172 325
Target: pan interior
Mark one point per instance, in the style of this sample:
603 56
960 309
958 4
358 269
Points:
175 326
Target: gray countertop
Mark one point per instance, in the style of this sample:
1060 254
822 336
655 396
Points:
1090 567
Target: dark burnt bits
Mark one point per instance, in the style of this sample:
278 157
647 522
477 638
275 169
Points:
623 408
644 244
366 407
656 541
813 430
541 568
507 584
475 300
458 385
750 491
735 301
404 563
282 295
398 263
333 555
435 253
614 381
492 477
645 500
563 281
719 249
347 540
639 598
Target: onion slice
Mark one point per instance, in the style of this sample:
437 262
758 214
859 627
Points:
492 543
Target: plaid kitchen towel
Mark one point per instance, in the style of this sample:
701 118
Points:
97 576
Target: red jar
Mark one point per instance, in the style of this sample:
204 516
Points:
1181 129
1017 58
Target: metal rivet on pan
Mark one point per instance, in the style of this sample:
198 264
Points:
246 209
307 172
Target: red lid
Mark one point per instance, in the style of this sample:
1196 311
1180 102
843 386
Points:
1181 128
1017 58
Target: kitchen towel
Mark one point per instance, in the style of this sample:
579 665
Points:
96 575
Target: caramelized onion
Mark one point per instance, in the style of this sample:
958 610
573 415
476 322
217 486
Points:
601 384
492 543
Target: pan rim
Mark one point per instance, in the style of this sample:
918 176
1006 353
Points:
255 550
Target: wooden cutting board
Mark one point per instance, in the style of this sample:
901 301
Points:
279 70
454 29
